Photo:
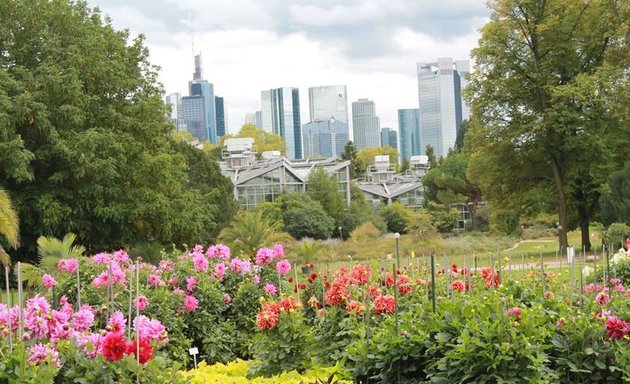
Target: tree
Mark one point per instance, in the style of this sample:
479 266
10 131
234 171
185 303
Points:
430 152
9 226
447 184
357 167
461 134
88 148
616 200
537 98
366 155
397 217
265 141
250 231
323 188
305 217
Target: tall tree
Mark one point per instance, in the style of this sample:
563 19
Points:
357 167
534 96
366 155
324 188
83 121
265 141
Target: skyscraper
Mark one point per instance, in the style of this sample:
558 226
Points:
328 101
409 128
174 100
198 109
365 124
281 115
326 138
219 105
441 106
389 137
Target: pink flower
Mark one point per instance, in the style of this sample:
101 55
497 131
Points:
101 280
515 312
155 280
270 289
200 262
278 251
101 258
121 256
560 323
48 281
191 303
256 279
458 285
227 299
9 319
117 322
191 283
283 267
40 354
92 344
264 256
616 328
67 265
141 302
602 298
218 251
150 329
615 281
83 319
548 295
619 288
219 269
240 266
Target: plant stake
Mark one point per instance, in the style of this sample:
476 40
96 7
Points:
6 279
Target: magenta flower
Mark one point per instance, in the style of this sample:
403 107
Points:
155 280
218 251
264 256
256 279
515 312
270 289
278 251
83 319
616 328
121 256
200 262
191 303
283 267
150 329
191 283
219 269
240 266
141 302
602 298
117 322
101 258
227 299
101 280
48 281
67 265
40 354
619 288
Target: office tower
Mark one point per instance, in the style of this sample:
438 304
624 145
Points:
442 108
389 137
198 109
174 100
325 138
328 101
409 128
219 105
365 124
281 115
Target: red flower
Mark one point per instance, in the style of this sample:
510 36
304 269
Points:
458 286
287 304
302 286
454 268
360 274
616 328
114 346
290 279
388 279
384 304
146 350
337 294
404 286
355 306
266 319
516 312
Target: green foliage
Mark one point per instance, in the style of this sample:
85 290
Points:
250 231
421 225
364 232
285 347
505 221
323 188
333 332
616 199
86 144
9 226
616 234
444 219
264 141
366 155
397 217
305 217
357 166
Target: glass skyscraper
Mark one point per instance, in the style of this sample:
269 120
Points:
409 128
389 137
441 106
281 115
325 138
328 101
220 115
366 127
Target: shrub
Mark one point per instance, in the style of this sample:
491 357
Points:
365 231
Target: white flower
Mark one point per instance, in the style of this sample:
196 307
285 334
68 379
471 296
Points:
586 271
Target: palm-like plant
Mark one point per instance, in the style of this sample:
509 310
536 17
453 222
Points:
250 231
50 250
9 226
308 250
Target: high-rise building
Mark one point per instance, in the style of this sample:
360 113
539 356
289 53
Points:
389 137
199 108
254 118
366 127
409 128
326 138
327 102
281 115
442 108
219 105
174 100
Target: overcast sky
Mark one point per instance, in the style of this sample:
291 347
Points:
372 46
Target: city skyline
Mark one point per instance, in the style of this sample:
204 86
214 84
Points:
371 46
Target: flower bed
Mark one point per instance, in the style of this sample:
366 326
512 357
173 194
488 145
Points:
372 321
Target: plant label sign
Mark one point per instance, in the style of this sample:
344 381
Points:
193 351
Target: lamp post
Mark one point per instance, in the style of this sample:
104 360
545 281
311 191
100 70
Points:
397 235
340 235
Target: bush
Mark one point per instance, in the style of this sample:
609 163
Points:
397 217
365 231
616 234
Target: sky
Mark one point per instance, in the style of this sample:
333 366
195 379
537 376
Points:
371 46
